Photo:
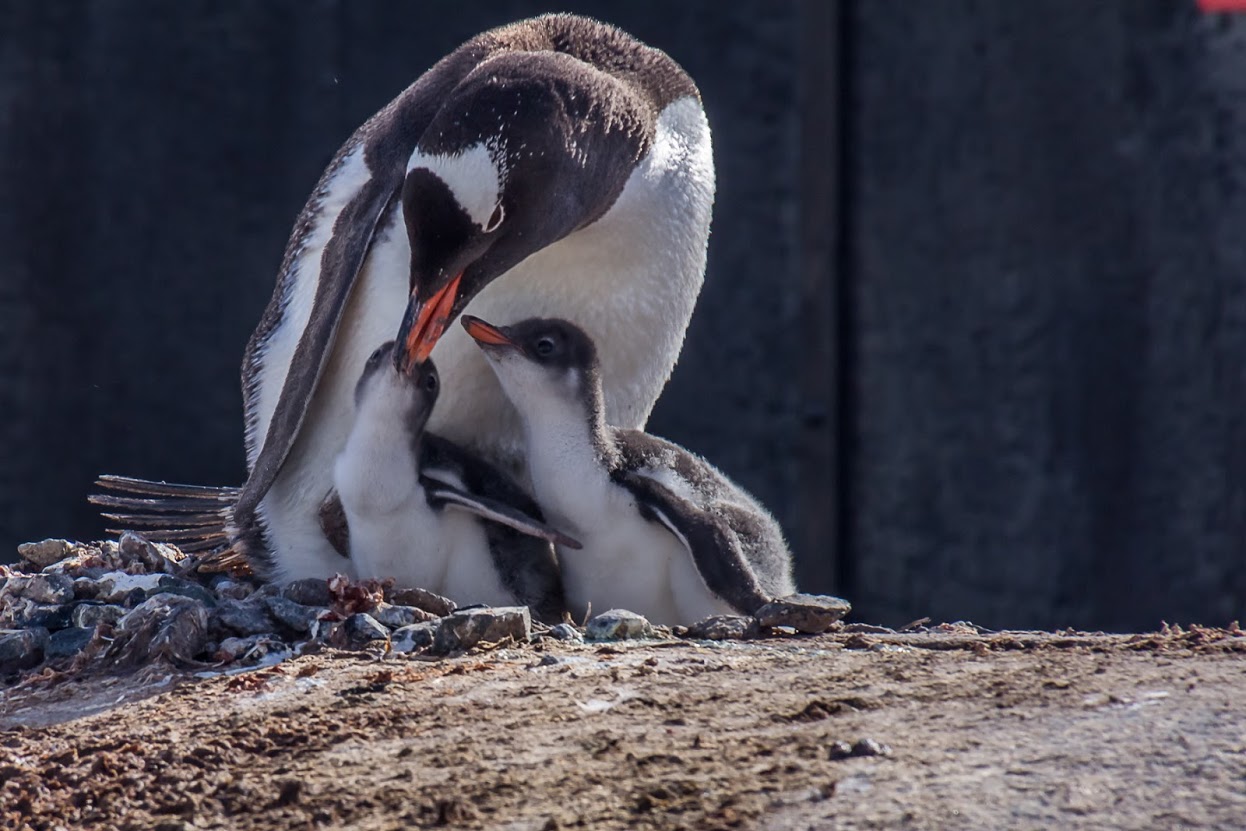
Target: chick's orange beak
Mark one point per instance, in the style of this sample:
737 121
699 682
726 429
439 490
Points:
485 334
431 319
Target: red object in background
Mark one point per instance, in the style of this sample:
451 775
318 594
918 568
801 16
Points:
1222 5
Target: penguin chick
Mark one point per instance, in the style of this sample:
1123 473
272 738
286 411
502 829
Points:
427 513
665 533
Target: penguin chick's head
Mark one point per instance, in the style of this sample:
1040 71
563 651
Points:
540 360
383 391
515 160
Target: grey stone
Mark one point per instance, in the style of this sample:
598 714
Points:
223 586
310 591
119 587
87 615
467 628
808 613
186 588
395 617
248 649
244 619
41 588
44 553
69 642
51 616
838 750
566 632
617 625
164 626
135 548
869 747
362 628
22 649
413 637
434 604
298 617
723 628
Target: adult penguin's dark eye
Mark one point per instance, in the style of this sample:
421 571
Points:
430 382
545 347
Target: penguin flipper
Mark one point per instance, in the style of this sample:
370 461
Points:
442 495
355 227
713 546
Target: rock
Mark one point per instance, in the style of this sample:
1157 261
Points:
167 626
119 587
566 632
395 617
310 591
298 617
467 628
617 625
50 616
68 642
808 613
135 548
43 554
723 628
413 637
176 585
361 628
21 649
223 586
869 747
86 615
434 604
244 619
250 649
41 588
838 750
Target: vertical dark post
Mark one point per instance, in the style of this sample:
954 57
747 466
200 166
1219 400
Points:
819 543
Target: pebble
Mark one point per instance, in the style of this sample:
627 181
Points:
298 617
413 637
120 587
21 649
361 628
251 649
310 591
434 604
863 747
468 627
176 585
134 548
222 586
68 642
566 632
166 626
40 588
723 628
617 625
45 553
395 617
243 619
812 614
93 614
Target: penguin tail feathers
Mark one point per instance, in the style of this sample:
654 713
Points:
195 518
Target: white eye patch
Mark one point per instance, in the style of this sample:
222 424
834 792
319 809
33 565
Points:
473 178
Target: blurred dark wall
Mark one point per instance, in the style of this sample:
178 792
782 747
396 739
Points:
975 318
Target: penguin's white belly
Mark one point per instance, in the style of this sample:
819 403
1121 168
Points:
628 562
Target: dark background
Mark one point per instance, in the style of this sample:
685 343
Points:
975 318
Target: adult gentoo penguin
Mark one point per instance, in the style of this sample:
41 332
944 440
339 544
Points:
664 533
553 167
423 511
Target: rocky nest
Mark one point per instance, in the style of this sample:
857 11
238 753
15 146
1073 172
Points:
79 606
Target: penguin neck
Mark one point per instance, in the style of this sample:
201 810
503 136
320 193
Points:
569 453
377 471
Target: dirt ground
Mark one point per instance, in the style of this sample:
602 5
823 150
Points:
1012 730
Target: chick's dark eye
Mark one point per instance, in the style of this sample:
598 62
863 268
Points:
545 347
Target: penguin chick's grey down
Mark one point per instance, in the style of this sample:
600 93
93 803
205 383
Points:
427 513
665 534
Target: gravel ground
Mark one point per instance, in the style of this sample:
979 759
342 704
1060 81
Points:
943 729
